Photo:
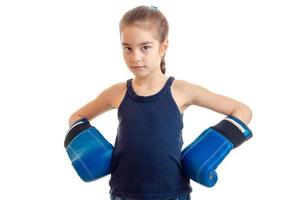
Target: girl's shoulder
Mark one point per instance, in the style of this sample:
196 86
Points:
180 94
116 93
189 92
183 87
180 85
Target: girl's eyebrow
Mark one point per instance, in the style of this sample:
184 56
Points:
144 43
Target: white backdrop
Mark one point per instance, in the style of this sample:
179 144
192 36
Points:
57 55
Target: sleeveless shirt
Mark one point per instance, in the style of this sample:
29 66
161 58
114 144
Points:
146 161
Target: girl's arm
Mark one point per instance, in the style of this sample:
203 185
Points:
200 96
102 103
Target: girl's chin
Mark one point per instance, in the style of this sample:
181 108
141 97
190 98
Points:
138 70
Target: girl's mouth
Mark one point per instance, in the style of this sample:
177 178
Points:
138 67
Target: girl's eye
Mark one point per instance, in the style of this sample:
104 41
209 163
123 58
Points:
146 47
126 49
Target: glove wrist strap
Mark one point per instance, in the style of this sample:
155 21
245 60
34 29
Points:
234 130
76 128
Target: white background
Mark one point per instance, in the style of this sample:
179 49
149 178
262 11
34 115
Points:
55 56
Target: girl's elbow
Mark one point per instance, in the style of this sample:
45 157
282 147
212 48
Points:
247 114
73 118
244 113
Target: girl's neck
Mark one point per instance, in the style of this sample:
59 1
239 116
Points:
150 82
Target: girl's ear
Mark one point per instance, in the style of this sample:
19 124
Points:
164 47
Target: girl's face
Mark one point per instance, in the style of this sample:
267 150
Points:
141 51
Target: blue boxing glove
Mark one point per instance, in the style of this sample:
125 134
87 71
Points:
88 150
201 158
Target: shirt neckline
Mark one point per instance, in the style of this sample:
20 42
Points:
150 97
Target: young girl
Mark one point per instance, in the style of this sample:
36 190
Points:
146 158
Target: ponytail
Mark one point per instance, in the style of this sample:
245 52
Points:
163 65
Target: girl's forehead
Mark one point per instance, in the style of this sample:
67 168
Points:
134 35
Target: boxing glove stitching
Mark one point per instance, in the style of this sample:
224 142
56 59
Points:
101 143
82 163
215 152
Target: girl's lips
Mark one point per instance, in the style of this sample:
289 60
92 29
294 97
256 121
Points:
138 67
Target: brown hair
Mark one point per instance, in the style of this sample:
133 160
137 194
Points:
155 21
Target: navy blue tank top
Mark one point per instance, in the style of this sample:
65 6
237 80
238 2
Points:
146 160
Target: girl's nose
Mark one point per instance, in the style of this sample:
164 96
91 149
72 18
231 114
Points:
136 56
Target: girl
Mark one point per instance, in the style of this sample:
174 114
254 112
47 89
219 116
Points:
146 158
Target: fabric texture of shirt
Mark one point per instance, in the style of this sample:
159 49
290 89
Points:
146 161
